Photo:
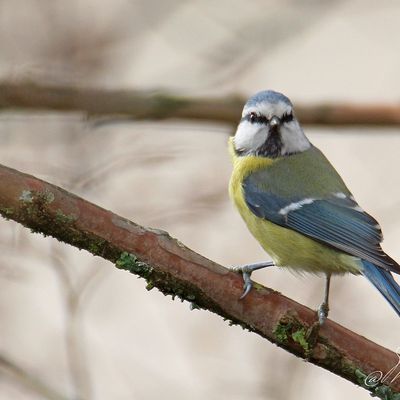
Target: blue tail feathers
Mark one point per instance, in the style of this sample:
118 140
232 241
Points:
384 282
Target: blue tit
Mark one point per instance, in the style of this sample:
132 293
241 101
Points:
298 207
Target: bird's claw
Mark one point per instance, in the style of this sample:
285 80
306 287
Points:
247 282
247 285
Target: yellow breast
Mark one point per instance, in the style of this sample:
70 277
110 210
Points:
286 247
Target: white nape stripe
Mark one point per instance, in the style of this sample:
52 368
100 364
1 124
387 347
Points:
295 206
340 195
358 208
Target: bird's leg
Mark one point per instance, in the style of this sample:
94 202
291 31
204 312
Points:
323 309
322 314
246 271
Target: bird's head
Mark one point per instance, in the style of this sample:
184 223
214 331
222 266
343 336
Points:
269 128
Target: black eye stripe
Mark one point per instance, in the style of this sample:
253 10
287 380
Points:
256 119
253 118
287 117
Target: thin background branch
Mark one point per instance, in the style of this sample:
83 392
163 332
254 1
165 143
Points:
139 105
29 380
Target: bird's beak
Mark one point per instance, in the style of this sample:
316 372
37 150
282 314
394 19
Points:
274 122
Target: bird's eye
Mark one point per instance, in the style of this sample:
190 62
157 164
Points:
253 117
287 117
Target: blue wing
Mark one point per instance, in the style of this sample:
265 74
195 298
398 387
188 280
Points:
336 221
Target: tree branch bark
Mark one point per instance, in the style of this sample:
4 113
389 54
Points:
140 105
175 270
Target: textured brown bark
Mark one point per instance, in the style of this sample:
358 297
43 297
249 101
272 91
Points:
174 269
140 105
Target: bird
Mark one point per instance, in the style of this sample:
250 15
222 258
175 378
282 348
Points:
298 207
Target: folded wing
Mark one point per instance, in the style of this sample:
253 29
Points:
335 220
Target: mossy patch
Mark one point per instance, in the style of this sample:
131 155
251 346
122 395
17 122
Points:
131 263
7 212
34 212
65 219
282 332
300 337
289 329
376 388
385 393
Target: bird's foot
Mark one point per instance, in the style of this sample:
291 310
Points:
313 331
247 282
246 271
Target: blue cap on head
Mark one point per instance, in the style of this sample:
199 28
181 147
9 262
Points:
267 96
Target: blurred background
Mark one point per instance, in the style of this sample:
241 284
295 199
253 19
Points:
74 327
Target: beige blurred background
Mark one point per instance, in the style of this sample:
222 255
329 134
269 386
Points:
75 324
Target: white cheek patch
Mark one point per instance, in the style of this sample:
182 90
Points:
250 136
293 138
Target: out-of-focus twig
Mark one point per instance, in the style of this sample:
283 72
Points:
29 380
74 335
150 105
174 269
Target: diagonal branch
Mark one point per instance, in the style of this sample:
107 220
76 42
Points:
139 105
175 270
